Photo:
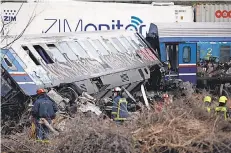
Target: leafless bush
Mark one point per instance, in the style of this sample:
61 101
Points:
188 128
183 126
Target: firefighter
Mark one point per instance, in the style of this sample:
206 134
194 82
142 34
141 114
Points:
44 108
222 109
207 103
119 107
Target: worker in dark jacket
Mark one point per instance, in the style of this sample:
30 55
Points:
45 108
119 107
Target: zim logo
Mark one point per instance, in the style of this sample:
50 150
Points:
9 15
223 14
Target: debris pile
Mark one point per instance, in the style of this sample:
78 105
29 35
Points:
182 126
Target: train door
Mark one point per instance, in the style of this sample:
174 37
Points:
171 53
187 62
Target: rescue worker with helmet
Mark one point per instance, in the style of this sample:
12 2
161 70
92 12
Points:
207 103
222 109
45 108
119 106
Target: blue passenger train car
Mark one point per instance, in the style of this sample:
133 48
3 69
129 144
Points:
183 45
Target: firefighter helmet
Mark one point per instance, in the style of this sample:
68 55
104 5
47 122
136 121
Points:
116 89
222 99
207 99
40 91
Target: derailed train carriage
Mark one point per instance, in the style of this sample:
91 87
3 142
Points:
72 63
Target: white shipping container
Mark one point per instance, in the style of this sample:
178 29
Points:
213 13
55 17
184 13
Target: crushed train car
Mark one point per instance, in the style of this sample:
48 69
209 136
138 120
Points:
72 63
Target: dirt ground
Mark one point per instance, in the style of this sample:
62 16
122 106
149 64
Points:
183 126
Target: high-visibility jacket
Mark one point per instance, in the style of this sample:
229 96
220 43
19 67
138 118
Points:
207 106
222 110
119 108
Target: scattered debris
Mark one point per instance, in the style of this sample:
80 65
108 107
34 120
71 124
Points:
184 127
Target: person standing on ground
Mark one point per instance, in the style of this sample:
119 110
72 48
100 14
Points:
222 109
45 108
119 107
207 103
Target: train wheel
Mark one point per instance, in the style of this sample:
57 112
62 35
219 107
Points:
70 93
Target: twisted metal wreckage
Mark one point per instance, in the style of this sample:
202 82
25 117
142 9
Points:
73 67
72 64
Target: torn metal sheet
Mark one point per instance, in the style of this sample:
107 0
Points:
90 107
61 102
128 93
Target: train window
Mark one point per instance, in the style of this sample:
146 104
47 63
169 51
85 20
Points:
100 46
110 46
117 42
34 59
65 49
56 53
225 53
186 54
43 54
78 49
8 62
141 42
134 43
128 44
91 50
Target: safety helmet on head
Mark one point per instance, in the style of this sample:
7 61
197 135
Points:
207 99
116 89
165 96
40 91
222 99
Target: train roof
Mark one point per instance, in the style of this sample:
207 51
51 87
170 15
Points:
195 29
195 32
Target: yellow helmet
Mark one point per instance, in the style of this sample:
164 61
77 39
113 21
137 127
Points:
207 99
222 99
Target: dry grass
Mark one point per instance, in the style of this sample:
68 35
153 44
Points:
182 127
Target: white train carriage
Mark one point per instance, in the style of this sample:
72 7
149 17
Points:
83 61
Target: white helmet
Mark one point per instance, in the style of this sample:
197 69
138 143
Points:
116 89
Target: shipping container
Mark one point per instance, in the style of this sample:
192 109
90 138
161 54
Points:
184 13
55 17
213 13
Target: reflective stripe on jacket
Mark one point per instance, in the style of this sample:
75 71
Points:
221 110
119 108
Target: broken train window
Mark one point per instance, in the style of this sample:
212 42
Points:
120 46
90 49
43 54
140 41
34 59
128 44
78 49
56 53
100 46
65 49
110 45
